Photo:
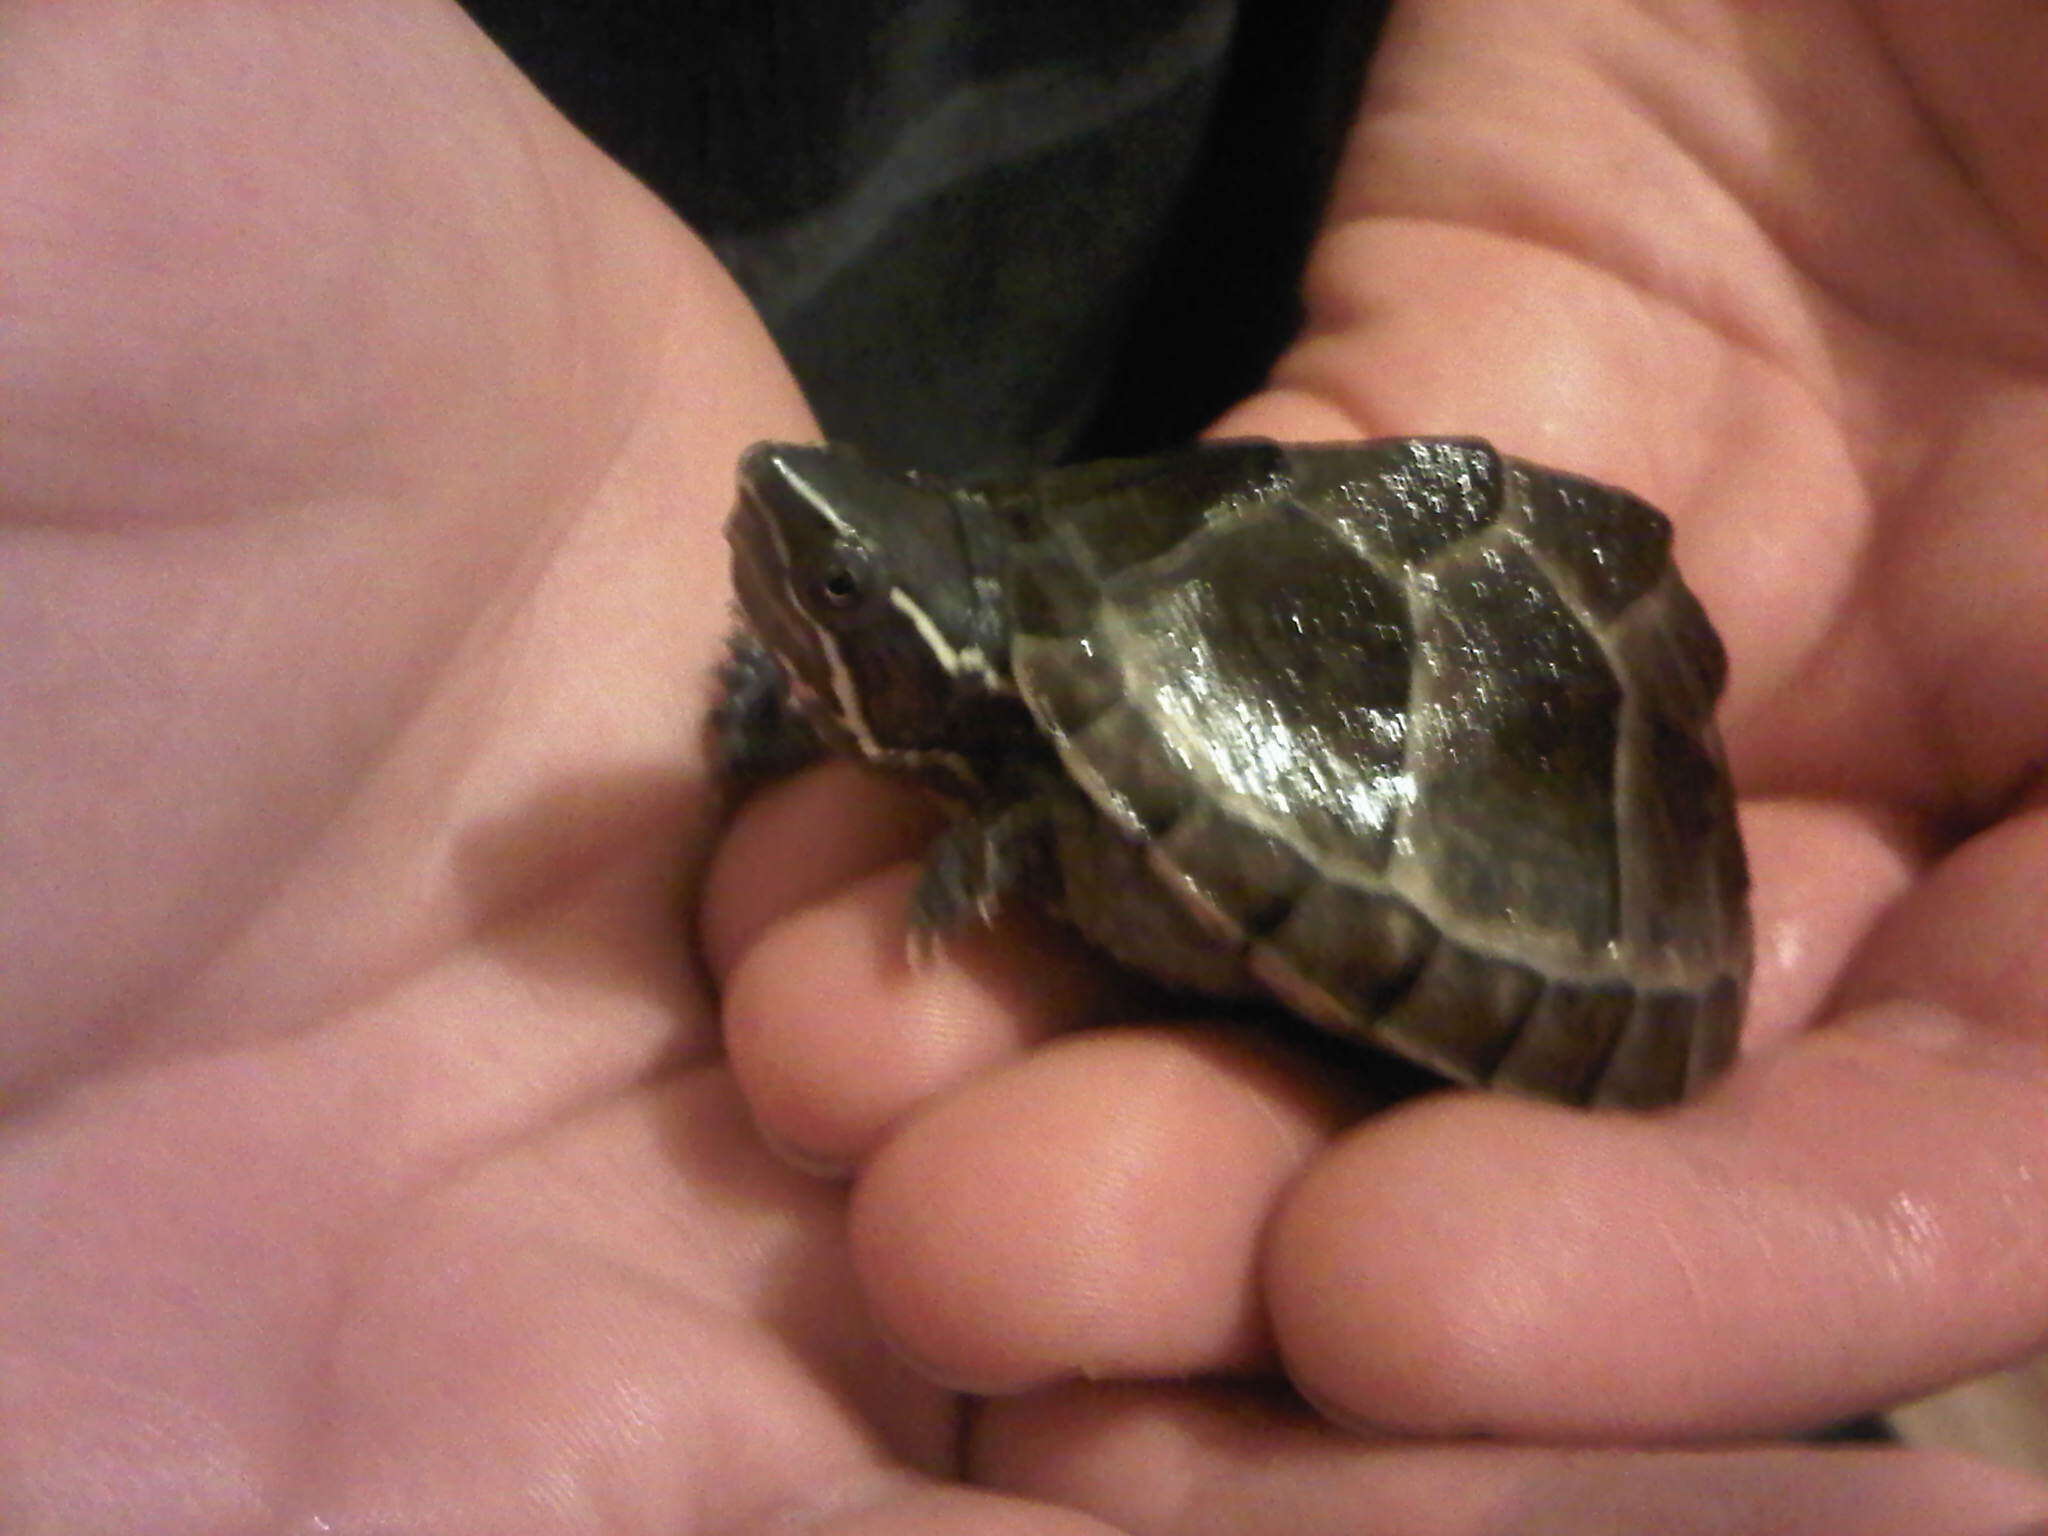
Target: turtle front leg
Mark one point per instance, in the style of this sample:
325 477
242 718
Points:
756 730
1052 847
979 861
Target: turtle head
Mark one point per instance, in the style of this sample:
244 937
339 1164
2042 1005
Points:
880 595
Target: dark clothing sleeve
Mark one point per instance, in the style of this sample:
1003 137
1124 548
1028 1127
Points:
984 235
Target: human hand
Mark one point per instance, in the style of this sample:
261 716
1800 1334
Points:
368 1161
1776 270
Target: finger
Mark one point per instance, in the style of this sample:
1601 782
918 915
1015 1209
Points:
1208 1463
836 1031
1822 874
1093 1209
1843 1224
946 1509
797 841
1970 940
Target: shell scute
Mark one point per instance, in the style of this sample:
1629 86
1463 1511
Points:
1344 951
1128 511
1716 1030
1609 547
1275 662
1519 715
1462 1013
1402 500
1054 596
1130 771
1247 879
1566 1038
1689 872
1668 647
1642 1067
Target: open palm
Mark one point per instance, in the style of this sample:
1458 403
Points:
369 1158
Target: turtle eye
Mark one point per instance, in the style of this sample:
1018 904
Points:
839 587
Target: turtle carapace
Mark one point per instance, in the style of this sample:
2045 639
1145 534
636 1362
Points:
1415 737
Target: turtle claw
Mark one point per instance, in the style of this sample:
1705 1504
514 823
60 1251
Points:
974 867
964 880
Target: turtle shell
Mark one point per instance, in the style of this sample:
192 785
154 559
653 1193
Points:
1421 732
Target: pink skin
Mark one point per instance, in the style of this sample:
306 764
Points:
371 1156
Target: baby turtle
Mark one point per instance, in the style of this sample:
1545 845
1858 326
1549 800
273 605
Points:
1413 736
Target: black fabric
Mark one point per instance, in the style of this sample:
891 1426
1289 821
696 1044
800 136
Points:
984 235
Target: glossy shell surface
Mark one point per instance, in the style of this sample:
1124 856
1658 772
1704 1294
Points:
1420 732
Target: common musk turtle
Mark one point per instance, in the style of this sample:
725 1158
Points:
1413 736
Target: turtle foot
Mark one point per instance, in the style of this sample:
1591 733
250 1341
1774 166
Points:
975 866
757 733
